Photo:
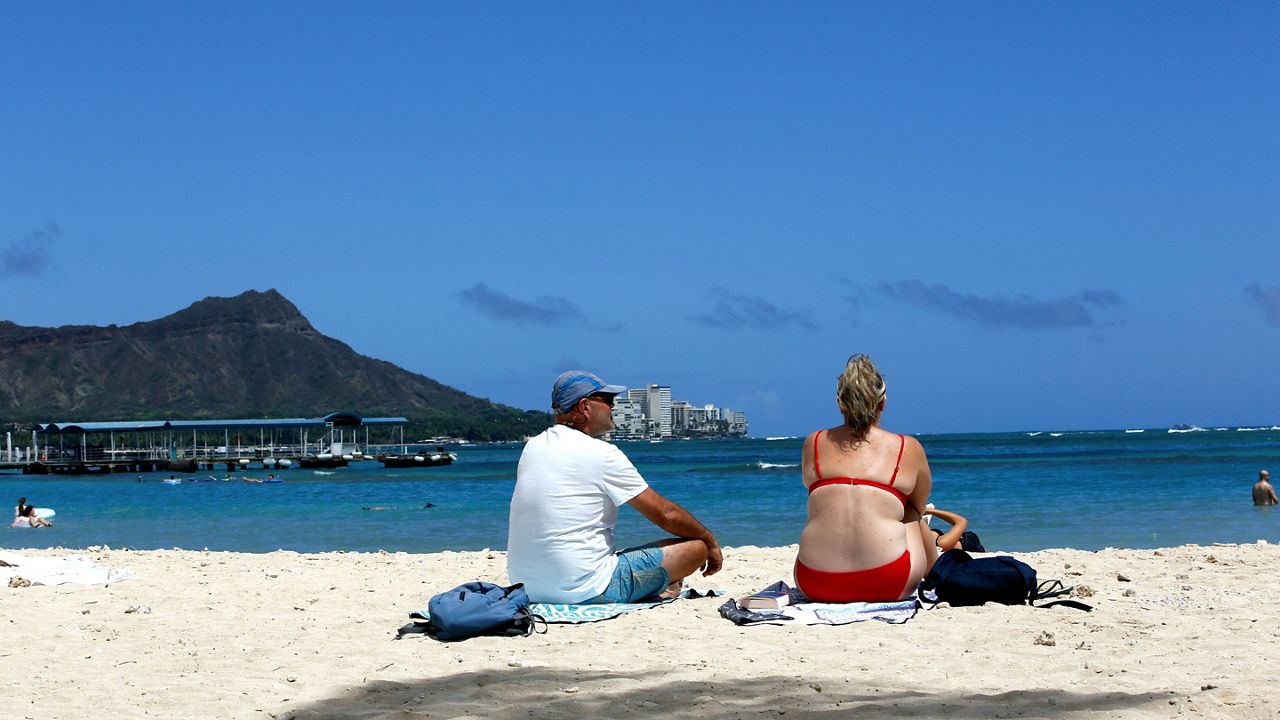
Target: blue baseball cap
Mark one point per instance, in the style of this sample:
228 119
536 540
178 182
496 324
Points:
574 385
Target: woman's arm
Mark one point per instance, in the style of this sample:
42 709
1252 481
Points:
807 475
959 524
924 480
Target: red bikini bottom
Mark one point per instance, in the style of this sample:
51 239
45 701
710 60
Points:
878 584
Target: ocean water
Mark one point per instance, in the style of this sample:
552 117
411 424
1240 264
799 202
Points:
1020 491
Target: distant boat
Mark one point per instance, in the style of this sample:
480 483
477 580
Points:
323 460
433 460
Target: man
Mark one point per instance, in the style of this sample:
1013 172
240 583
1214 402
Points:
1263 493
569 486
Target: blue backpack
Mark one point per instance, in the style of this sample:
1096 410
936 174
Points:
474 609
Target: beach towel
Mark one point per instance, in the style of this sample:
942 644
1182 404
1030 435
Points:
574 614
59 570
803 611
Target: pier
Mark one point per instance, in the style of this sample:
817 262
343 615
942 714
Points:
187 446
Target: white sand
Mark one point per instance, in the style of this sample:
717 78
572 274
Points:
283 635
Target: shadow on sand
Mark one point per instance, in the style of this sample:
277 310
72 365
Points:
519 693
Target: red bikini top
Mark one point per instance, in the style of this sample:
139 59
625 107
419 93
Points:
822 482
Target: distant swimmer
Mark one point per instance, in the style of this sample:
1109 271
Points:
1263 493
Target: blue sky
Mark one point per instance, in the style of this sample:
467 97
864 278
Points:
1031 215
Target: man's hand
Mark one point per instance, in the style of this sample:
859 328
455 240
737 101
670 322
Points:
714 559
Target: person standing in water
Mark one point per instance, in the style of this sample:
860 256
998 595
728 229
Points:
1263 493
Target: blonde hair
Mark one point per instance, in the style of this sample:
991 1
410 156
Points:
859 390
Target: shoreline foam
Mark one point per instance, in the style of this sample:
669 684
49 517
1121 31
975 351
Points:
287 635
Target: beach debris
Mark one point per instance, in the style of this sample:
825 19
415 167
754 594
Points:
1208 686
19 582
571 690
1211 559
816 687
291 678
1130 592
1084 591
1045 638
138 610
1122 577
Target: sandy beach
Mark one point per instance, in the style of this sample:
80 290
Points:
1179 631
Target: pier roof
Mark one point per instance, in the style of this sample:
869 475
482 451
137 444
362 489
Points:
343 419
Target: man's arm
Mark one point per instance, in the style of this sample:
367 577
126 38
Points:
679 522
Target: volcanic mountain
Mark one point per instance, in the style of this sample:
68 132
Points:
249 356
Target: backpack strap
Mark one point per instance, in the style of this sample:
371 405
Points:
1055 588
530 620
417 626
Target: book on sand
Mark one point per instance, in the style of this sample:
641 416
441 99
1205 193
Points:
765 600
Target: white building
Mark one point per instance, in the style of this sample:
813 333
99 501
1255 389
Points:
658 408
629 421
649 412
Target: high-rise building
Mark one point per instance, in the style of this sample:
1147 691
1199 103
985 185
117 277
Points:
681 416
629 421
658 408
649 412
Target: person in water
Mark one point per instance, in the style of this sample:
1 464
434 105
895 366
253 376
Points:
864 540
21 509
29 518
1263 492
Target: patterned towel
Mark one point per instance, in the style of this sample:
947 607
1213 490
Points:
574 614
805 612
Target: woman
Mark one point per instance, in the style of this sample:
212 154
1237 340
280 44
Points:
864 540
29 518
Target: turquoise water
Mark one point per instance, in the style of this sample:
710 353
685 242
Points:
1085 490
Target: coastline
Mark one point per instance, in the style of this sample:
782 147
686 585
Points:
289 635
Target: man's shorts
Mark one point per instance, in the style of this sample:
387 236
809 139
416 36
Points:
638 577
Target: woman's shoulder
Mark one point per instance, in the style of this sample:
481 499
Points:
910 445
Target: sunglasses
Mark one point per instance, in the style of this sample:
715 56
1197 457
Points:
606 399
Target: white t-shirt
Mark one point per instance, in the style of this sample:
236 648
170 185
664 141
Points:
569 487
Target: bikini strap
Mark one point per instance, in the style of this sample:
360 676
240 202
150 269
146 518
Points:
816 470
902 444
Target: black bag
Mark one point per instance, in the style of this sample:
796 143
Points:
969 541
474 609
958 579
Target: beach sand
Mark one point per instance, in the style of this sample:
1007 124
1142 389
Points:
1191 631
